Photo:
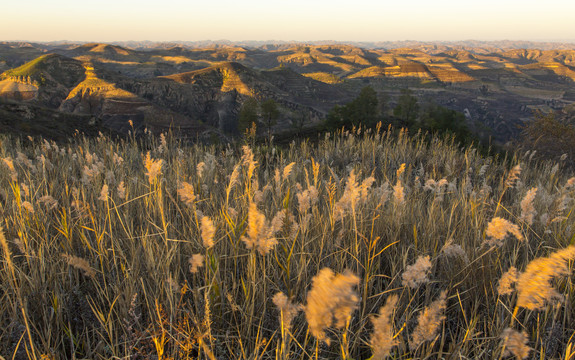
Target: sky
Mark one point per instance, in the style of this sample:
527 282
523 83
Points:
296 20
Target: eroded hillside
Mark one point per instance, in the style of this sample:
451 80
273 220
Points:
201 88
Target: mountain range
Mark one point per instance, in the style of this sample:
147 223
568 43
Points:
200 90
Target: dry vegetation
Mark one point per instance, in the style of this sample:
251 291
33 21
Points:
364 245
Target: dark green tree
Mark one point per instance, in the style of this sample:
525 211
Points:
299 120
248 115
550 136
363 110
270 114
439 119
364 107
407 108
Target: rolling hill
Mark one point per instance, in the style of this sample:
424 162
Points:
199 88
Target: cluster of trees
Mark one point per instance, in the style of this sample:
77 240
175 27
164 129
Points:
363 110
551 138
367 109
254 113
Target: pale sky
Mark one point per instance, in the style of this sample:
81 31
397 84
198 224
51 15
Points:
298 20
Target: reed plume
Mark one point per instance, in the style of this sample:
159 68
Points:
259 234
153 167
208 232
505 286
416 274
330 302
428 322
104 193
196 261
534 284
382 340
186 193
497 229
515 343
288 309
80 264
527 208
513 176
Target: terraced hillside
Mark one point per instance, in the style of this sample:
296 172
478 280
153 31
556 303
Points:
204 88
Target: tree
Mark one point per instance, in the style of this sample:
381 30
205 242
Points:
364 107
248 115
550 137
270 114
437 118
363 110
407 108
299 120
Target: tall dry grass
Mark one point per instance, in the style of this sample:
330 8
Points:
150 248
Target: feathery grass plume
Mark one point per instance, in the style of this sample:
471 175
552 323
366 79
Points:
22 247
527 208
349 198
80 264
497 229
260 235
364 188
513 176
332 297
452 250
163 143
233 179
382 193
28 206
279 220
23 159
315 170
200 169
89 173
208 231
117 159
428 322
416 274
186 193
288 309
10 164
382 340
7 252
400 171
196 262
248 160
104 193
515 343
287 171
534 284
122 191
306 199
48 201
506 282
398 193
26 189
154 168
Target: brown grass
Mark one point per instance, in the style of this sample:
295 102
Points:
160 267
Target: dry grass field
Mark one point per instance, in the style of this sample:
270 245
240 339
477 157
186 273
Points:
363 245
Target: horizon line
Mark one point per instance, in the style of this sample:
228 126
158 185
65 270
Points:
271 41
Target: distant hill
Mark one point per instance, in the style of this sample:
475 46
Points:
497 85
